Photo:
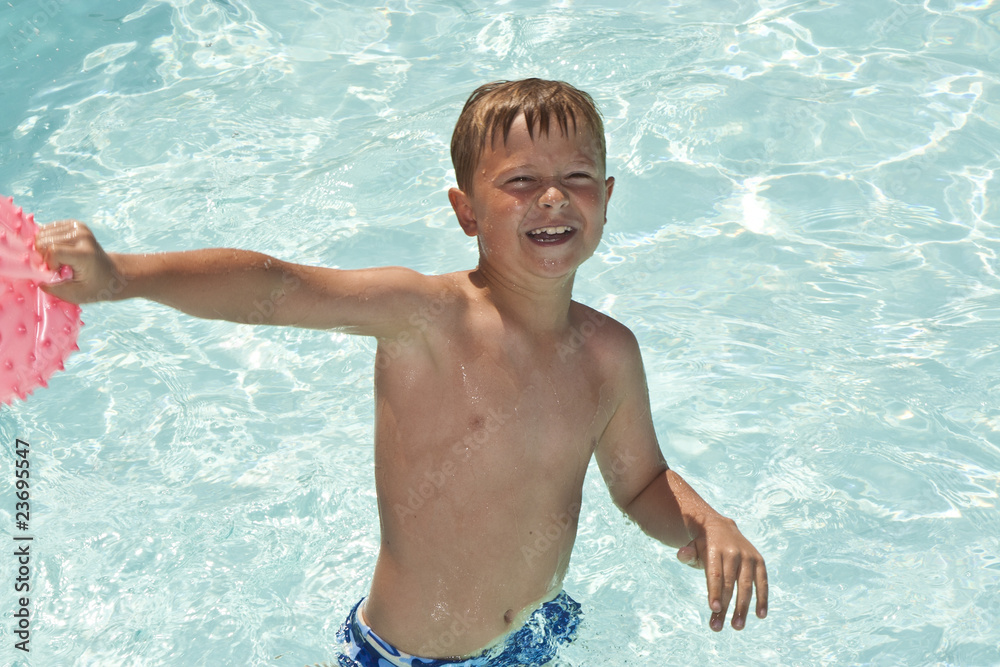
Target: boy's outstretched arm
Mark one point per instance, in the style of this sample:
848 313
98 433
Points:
235 285
666 507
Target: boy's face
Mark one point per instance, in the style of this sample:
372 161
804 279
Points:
538 207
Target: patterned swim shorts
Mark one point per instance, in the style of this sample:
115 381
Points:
535 643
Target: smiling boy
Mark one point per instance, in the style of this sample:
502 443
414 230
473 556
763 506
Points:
493 390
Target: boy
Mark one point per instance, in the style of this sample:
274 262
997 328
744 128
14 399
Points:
493 390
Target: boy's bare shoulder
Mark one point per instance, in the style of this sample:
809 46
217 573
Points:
608 341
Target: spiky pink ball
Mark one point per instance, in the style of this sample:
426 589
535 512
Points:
37 330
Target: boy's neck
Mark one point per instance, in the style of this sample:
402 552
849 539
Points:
541 307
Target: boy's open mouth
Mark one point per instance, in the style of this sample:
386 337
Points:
551 235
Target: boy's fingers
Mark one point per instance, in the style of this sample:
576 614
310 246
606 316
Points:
730 570
721 593
714 577
689 556
58 232
743 594
761 584
56 240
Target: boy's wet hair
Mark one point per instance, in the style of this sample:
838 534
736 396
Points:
494 107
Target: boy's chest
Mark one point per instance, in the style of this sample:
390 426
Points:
501 420
555 408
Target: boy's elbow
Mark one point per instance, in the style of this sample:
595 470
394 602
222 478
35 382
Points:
631 502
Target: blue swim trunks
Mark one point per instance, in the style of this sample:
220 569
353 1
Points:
535 643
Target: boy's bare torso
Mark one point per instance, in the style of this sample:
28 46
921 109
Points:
483 435
493 390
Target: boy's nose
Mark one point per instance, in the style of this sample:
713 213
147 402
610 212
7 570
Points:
553 198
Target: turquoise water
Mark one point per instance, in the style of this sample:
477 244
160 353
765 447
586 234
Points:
803 236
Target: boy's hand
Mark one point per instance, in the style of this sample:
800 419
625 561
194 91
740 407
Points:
729 561
70 243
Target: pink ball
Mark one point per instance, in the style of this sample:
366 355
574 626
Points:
37 330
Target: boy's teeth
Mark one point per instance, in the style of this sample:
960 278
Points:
551 230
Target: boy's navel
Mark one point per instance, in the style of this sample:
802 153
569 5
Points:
508 616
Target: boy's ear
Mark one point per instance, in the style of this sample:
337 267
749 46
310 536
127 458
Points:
609 185
463 211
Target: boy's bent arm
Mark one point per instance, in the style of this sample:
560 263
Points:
235 285
666 507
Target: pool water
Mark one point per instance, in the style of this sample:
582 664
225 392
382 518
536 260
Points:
804 237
